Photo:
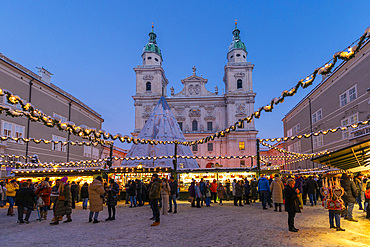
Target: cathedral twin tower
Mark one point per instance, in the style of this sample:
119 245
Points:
198 111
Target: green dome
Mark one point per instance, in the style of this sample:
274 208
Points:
237 42
152 44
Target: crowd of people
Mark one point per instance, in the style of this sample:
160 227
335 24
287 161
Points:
293 192
61 196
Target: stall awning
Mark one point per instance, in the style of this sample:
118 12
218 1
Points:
353 158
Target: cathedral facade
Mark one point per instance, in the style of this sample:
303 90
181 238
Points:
198 111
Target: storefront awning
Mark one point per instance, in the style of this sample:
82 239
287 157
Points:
354 158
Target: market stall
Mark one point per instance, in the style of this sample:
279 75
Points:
219 174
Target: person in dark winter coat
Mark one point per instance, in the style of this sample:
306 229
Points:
202 187
247 191
139 192
132 193
154 196
350 195
238 193
291 203
311 189
74 193
85 195
25 198
254 185
112 192
299 185
227 188
192 193
173 194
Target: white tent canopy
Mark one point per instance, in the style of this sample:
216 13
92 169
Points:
161 126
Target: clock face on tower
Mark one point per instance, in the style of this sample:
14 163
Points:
240 108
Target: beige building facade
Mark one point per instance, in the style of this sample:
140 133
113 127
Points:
340 99
198 111
53 101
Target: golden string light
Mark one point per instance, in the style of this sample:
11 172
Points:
321 132
14 156
186 157
280 158
281 150
96 142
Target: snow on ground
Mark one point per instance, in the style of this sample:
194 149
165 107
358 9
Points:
225 225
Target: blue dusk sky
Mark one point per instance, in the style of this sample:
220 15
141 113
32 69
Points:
91 47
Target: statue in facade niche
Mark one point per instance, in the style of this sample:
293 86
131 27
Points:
172 91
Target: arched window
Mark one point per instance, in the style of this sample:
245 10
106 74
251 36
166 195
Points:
239 84
148 86
194 125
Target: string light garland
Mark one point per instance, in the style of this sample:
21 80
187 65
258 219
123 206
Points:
281 150
53 170
187 157
298 160
280 158
14 156
96 142
301 170
321 132
82 131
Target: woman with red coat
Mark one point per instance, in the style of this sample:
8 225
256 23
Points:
44 191
214 190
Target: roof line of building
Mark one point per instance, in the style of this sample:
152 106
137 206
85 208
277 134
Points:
51 86
322 82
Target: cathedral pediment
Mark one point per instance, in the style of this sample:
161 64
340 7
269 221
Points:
194 86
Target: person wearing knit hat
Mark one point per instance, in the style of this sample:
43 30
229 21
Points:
64 203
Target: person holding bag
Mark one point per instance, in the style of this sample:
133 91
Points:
96 195
64 203
44 192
